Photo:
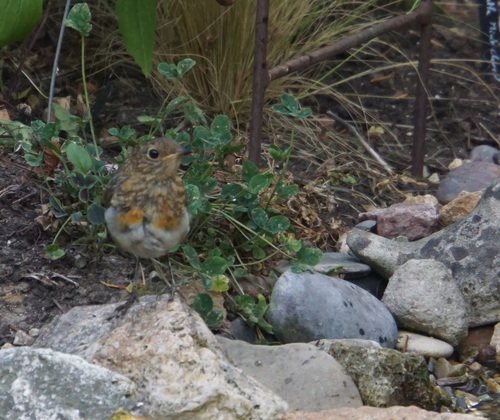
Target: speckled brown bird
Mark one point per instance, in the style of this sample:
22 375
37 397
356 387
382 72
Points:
145 201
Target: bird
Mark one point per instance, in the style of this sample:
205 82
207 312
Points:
145 201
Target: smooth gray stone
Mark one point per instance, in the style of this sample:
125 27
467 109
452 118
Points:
470 248
485 153
471 176
310 306
333 263
307 378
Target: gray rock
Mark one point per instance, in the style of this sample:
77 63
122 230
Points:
368 225
240 330
485 153
334 263
44 384
469 248
442 313
305 377
386 377
168 351
310 306
471 176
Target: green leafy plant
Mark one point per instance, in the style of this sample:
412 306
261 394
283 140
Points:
253 312
236 225
204 305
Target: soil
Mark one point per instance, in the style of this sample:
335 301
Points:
464 113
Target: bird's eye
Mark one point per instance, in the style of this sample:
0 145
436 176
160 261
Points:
153 153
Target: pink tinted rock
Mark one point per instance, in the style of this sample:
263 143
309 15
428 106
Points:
412 220
477 344
374 413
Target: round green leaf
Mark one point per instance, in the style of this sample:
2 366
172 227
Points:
33 160
277 224
203 304
248 170
309 256
260 182
220 283
168 70
259 217
215 317
54 251
185 65
191 256
95 214
258 253
214 265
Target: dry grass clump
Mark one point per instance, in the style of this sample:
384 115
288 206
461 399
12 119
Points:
221 41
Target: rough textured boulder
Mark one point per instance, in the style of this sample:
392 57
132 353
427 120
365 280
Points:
411 220
385 377
45 384
469 248
441 314
168 352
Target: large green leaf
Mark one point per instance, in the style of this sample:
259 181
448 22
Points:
18 18
137 23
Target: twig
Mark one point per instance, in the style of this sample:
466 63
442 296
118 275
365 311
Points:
489 133
356 133
344 44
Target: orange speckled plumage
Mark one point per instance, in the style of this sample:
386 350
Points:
145 201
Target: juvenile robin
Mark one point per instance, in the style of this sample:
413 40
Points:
145 201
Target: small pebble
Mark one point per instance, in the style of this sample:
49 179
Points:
493 386
23 339
34 332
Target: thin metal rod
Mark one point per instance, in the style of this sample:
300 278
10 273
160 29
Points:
260 81
421 93
56 61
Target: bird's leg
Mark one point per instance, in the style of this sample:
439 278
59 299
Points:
134 294
173 284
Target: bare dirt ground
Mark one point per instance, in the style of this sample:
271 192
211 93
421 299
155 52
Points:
465 113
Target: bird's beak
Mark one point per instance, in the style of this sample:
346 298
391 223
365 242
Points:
182 152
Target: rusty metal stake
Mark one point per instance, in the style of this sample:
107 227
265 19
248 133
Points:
260 81
421 93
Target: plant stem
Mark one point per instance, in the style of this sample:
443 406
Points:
86 95
283 170
61 230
